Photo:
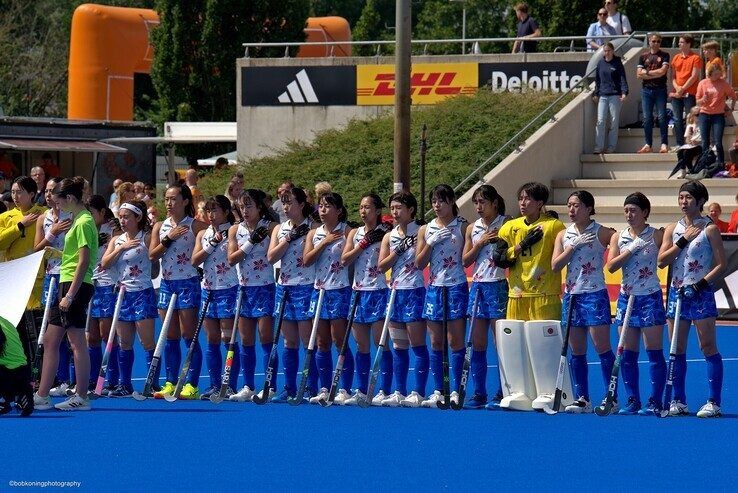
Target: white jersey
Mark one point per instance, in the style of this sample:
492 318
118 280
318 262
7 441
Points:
446 268
367 276
329 272
639 271
53 264
584 273
176 264
133 265
104 277
485 269
695 261
217 273
294 272
405 275
254 269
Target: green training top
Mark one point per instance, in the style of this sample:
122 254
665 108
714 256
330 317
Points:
83 233
13 356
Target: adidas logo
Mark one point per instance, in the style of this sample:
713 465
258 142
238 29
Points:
299 90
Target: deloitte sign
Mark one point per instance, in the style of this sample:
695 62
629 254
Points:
538 76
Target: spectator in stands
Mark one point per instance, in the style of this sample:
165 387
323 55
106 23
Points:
733 223
114 196
139 187
652 68
713 94
710 51
50 167
692 147
277 205
150 191
191 179
39 176
322 188
611 88
686 68
617 20
733 151
598 31
715 210
7 166
220 163
125 194
527 29
3 183
7 199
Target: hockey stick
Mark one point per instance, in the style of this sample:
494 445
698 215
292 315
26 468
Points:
190 351
606 407
297 400
155 361
270 369
456 406
36 367
446 402
217 397
366 401
342 353
109 345
672 358
562 362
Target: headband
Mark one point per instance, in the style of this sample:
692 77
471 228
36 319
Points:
132 208
695 189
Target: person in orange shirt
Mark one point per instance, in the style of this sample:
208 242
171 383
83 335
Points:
49 166
713 94
710 50
733 223
715 210
7 166
686 67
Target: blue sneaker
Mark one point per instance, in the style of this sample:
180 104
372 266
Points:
282 397
651 408
477 401
632 407
494 404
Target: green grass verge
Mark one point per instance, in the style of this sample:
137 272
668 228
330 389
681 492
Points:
462 133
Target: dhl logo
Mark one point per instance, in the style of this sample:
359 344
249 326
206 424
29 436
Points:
440 83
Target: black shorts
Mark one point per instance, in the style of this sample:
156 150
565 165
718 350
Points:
76 315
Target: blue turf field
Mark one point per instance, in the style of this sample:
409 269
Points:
123 445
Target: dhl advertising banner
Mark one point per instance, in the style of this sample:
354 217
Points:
429 82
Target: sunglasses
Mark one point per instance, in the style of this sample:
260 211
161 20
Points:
601 14
657 41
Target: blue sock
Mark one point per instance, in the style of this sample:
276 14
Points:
422 364
680 377
402 365
62 372
347 375
125 361
607 360
290 358
657 371
235 367
436 369
267 349
95 362
193 375
112 374
715 377
579 372
324 360
248 365
312 382
629 367
214 361
457 365
479 371
363 361
387 371
172 359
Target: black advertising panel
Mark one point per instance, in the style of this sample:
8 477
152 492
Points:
545 76
298 86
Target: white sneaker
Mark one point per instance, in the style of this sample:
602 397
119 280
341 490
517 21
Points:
74 403
413 400
377 400
394 400
323 394
354 399
709 410
455 397
432 401
678 408
341 397
243 395
260 394
41 403
60 390
579 406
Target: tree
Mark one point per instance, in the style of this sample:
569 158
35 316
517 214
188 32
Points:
348 9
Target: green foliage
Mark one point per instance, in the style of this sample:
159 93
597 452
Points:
348 9
462 132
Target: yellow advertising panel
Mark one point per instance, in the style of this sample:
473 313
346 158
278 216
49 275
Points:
429 82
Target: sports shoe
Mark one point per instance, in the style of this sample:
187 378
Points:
651 409
477 401
41 403
5 407
597 151
579 406
282 397
664 149
261 393
122 391
243 395
455 397
494 404
60 390
24 403
432 401
355 398
394 400
75 403
644 150
323 394
205 396
413 400
709 410
341 397
632 407
678 408
167 389
377 399
189 392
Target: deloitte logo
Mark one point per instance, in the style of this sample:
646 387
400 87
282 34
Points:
547 81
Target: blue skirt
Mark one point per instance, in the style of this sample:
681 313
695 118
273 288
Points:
335 303
297 304
222 302
457 298
138 305
648 310
103 302
492 303
408 305
590 309
372 306
698 308
188 293
257 301
47 285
